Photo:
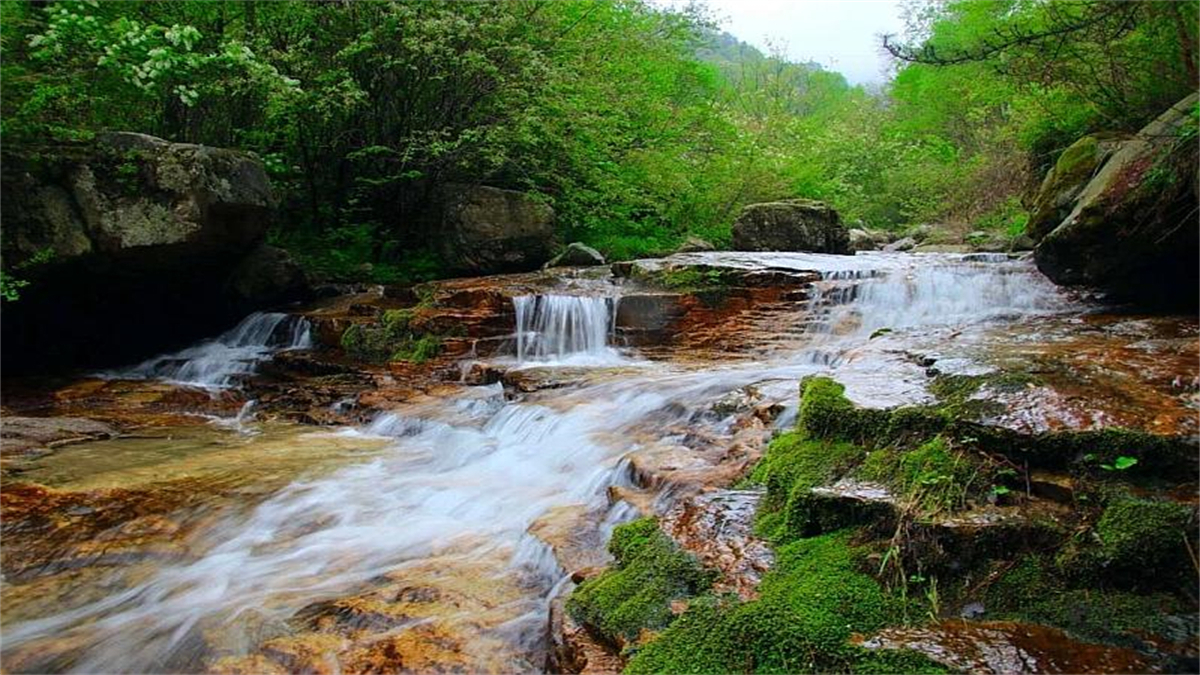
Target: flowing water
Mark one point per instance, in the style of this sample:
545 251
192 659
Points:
223 361
450 500
558 328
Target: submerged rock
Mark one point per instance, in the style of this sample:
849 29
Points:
27 435
790 225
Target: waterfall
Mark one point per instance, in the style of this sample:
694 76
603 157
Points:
221 362
931 295
551 328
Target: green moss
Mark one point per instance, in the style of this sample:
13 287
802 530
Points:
933 476
394 338
1088 450
791 467
636 594
809 606
825 412
710 286
396 321
1141 543
418 350
1033 591
1078 161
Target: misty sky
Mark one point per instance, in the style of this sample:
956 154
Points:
838 34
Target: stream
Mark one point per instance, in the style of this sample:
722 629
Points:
425 529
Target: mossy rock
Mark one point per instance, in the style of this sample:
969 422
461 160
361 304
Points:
810 605
635 595
393 338
1035 590
826 413
1137 544
792 466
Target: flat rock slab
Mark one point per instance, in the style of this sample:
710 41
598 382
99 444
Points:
29 435
1005 647
719 528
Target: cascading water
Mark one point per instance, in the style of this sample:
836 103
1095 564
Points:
464 483
221 362
565 328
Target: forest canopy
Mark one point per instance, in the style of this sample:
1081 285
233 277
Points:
640 124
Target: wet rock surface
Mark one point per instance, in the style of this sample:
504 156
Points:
718 528
999 647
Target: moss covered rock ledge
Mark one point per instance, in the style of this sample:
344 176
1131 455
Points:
907 540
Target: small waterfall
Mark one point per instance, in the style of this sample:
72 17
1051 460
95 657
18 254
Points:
557 327
221 362
932 295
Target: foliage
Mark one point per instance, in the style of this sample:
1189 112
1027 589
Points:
640 124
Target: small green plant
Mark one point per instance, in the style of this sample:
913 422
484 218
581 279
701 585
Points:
1121 463
879 332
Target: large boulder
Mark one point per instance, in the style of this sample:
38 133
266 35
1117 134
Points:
790 225
486 230
129 245
1066 179
1132 230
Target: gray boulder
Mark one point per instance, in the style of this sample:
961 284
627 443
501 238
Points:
790 225
577 255
133 191
1132 231
129 227
905 244
694 244
861 240
486 230
1065 181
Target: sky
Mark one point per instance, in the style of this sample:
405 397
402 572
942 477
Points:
840 35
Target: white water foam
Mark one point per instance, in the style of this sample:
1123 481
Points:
569 330
222 362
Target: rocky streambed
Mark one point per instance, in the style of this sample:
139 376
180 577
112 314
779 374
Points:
589 469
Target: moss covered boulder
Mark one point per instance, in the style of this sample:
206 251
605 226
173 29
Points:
790 225
1131 231
1065 180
